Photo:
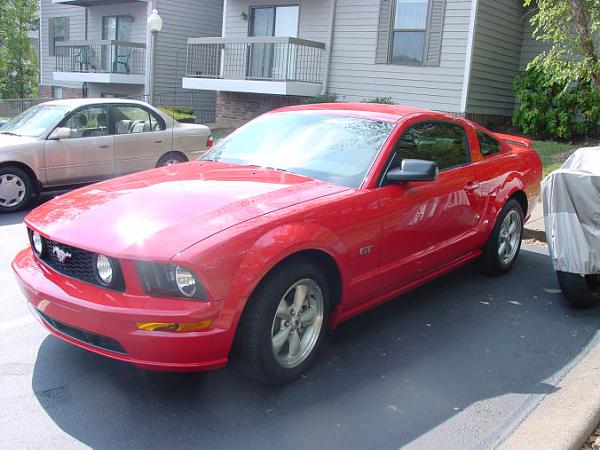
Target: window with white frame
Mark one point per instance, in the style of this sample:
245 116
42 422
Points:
410 32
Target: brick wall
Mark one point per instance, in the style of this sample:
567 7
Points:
234 108
45 91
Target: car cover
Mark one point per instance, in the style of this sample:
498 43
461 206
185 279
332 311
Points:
571 198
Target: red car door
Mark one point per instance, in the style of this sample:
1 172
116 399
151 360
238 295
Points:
427 225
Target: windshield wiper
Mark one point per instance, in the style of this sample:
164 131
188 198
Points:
10 133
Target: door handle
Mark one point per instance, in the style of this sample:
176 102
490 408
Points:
158 142
104 146
471 186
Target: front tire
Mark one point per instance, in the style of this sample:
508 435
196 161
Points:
502 248
283 324
582 291
16 189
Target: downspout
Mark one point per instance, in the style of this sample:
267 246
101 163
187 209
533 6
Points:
469 57
329 47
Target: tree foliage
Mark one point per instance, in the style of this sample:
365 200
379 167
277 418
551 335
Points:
569 26
18 57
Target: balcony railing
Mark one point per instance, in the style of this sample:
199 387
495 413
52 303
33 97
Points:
256 58
105 56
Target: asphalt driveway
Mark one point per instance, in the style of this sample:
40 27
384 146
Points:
454 364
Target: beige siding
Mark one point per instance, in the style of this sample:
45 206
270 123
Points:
76 16
182 19
354 76
496 55
130 90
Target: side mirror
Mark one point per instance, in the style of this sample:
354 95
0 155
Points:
413 170
60 133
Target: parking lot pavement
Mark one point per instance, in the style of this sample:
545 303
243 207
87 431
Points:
454 364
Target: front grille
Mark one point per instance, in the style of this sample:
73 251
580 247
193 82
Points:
77 263
87 337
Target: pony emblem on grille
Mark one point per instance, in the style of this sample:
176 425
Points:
60 254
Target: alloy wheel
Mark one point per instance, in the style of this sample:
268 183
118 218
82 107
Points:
510 235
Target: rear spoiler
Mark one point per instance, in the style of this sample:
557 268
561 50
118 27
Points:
514 140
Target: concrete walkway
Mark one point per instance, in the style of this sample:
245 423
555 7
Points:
534 228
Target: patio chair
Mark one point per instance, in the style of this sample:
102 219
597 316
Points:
83 58
122 58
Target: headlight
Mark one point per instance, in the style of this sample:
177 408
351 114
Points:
186 281
38 244
104 269
169 280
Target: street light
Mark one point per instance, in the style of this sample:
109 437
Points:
155 24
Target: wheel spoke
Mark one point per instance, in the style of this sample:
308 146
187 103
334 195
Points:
294 341
300 296
308 316
512 228
283 311
502 250
280 338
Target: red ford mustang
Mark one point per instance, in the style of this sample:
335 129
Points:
296 222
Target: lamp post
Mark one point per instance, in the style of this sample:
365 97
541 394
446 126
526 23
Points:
155 24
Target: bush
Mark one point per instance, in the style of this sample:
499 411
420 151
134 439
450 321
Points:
553 109
382 100
183 115
327 98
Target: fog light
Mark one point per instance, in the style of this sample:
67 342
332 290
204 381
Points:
38 244
104 269
174 327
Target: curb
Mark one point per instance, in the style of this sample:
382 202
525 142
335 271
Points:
538 235
565 418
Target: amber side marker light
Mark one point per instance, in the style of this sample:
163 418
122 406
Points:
174 327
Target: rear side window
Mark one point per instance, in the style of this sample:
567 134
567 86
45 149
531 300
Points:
487 144
442 142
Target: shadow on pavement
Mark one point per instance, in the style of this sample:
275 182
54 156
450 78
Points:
17 217
382 380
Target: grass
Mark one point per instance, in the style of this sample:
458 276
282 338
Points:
553 154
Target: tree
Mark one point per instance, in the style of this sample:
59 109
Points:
569 26
18 58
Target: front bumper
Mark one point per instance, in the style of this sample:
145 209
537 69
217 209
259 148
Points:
94 319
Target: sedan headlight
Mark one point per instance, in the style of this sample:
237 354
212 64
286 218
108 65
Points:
104 269
170 280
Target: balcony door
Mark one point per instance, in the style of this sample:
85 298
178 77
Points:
116 28
268 61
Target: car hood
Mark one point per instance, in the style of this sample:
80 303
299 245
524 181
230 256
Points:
7 141
160 212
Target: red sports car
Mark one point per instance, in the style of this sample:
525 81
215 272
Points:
299 220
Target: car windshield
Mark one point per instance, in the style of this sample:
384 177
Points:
333 148
35 121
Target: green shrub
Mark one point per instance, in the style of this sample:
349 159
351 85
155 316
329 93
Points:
382 100
553 109
327 98
184 115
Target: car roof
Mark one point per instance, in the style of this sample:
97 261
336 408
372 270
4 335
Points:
77 102
388 113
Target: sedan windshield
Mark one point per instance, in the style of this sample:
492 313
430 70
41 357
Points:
333 148
35 121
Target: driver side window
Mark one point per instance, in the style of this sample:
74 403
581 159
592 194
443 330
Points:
87 122
444 143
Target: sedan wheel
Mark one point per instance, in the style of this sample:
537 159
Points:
15 189
297 323
283 323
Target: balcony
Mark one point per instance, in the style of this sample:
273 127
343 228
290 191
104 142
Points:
100 62
266 65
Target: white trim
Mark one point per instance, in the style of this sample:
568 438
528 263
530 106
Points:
224 25
95 77
329 47
254 86
148 54
469 57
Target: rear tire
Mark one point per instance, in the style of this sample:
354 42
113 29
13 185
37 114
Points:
582 291
168 159
283 324
16 189
502 248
